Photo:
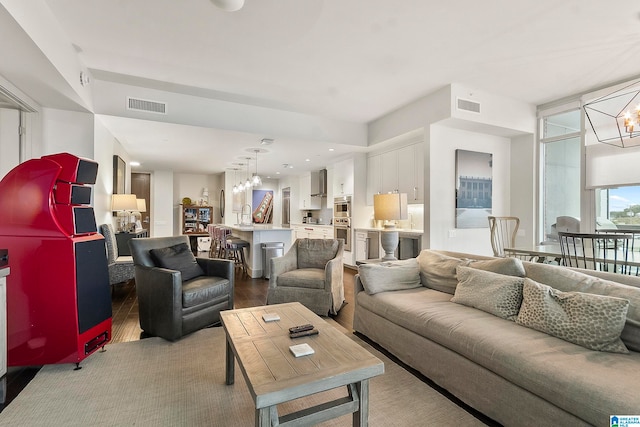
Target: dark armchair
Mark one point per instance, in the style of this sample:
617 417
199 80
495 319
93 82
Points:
177 292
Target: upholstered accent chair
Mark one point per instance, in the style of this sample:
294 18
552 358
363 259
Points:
311 272
120 267
177 292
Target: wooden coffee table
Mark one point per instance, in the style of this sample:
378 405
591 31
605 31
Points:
275 376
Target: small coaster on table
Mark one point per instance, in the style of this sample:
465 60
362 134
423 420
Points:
300 350
270 317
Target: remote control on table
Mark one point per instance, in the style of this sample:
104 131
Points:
303 333
300 328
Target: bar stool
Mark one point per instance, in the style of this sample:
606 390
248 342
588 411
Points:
234 249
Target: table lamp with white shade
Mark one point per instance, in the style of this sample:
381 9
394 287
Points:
390 208
124 205
142 207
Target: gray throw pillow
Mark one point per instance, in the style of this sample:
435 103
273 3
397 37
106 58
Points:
390 276
591 321
494 293
178 257
438 271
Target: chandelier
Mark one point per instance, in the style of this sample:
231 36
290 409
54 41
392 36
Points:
615 118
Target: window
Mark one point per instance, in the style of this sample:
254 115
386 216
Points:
560 152
618 207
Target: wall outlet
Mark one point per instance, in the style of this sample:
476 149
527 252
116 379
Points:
452 234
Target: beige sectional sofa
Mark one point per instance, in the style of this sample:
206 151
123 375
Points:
514 374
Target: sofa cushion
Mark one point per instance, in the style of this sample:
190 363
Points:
592 321
178 257
590 383
312 278
566 280
390 276
204 290
315 253
494 293
438 271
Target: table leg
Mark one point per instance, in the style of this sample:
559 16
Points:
361 416
265 416
230 365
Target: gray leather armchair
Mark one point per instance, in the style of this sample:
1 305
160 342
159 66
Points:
178 293
312 273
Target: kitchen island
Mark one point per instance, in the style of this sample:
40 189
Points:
257 234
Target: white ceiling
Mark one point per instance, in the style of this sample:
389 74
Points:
350 60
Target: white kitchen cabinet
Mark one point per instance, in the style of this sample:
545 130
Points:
389 171
343 178
410 165
305 200
374 177
361 249
313 232
400 170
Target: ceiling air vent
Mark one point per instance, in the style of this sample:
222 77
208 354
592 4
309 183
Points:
466 105
146 105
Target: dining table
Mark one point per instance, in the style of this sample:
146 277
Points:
551 253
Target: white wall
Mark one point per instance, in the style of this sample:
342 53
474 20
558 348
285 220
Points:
444 143
103 189
9 140
164 207
67 132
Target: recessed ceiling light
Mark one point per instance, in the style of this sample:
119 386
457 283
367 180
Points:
307 160
332 149
134 163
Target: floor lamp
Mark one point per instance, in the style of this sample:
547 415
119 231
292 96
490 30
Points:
390 208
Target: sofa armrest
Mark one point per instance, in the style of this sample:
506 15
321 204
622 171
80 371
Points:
357 285
279 265
217 267
334 272
159 293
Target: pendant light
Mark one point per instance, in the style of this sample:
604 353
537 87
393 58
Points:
256 181
247 184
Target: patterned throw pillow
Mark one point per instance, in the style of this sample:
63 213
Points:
589 320
494 293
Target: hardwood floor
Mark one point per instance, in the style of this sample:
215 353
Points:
126 327
248 292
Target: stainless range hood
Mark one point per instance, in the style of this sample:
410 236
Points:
319 183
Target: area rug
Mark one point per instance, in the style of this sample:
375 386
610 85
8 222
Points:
153 382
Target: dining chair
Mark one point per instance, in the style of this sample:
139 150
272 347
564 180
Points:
633 247
596 251
503 231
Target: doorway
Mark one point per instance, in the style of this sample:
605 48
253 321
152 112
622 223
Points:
141 187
